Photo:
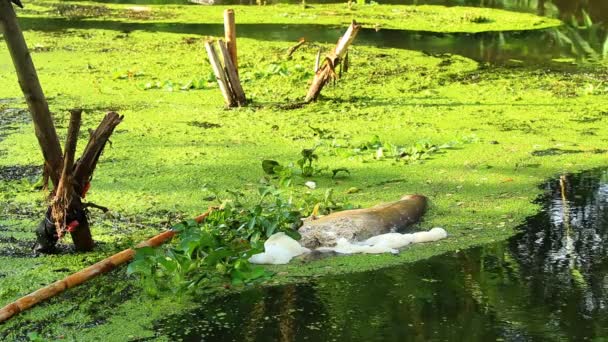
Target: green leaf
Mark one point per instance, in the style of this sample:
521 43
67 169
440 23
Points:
269 166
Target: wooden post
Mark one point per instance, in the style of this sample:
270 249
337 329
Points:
233 77
230 35
220 75
34 96
327 70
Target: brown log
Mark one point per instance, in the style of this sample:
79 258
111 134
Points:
220 75
88 273
233 77
327 71
34 96
230 36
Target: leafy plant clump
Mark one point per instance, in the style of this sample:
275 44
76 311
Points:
218 248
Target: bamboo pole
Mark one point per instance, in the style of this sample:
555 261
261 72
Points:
30 86
88 273
230 36
233 77
220 75
327 71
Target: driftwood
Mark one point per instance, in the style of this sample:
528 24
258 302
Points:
327 71
32 90
88 273
230 36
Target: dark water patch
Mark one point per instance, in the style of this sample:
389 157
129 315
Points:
561 45
18 172
546 283
204 124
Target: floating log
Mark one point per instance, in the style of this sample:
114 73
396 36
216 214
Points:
230 36
232 75
220 75
32 90
361 224
88 273
327 70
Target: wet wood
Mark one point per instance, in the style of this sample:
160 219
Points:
220 75
327 71
230 36
32 90
233 77
86 274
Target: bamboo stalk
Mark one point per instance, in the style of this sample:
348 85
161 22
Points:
220 75
32 90
230 36
327 71
233 76
88 273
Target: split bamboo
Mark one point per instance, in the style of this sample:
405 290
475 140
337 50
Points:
220 75
327 71
233 77
88 273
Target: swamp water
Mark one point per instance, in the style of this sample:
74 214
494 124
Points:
550 282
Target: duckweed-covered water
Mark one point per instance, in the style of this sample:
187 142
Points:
550 282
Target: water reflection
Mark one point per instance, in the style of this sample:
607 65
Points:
548 283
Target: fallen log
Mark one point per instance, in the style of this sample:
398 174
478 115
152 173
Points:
361 224
88 273
294 48
327 71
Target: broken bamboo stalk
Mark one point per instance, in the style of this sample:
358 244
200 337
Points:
220 75
327 71
294 48
230 36
233 77
63 194
86 274
32 90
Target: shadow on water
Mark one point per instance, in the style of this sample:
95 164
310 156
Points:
533 47
550 282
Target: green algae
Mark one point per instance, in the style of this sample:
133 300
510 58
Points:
159 164
396 17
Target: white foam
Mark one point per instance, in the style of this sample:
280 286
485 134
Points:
280 248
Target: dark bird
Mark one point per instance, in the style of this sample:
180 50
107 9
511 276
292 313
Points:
18 3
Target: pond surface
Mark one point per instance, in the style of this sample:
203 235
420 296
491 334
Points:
550 282
580 41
